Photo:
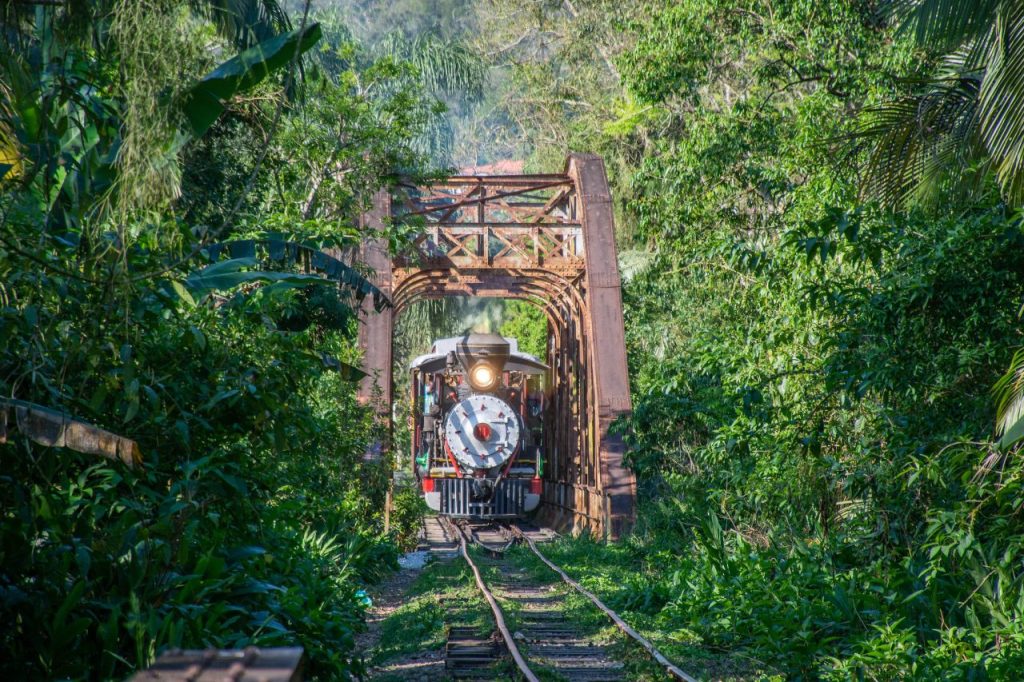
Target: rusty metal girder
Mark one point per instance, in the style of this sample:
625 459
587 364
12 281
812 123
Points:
607 336
498 221
549 240
481 245
482 282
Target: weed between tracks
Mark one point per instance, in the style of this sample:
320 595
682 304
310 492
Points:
590 623
443 594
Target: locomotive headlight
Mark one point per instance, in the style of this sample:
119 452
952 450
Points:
483 377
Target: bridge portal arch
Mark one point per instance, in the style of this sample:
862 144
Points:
550 240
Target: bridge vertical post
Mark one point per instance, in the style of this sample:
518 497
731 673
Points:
375 327
606 362
375 336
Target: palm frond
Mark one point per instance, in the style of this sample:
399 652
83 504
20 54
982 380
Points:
244 22
923 143
450 72
1001 111
1009 395
447 69
971 57
943 25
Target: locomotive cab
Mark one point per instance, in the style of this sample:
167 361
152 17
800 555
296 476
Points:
477 405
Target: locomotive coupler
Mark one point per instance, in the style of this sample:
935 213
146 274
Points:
481 490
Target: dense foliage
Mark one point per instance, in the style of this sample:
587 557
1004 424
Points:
816 314
175 193
812 372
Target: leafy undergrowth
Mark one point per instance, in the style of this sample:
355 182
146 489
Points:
765 614
252 516
608 571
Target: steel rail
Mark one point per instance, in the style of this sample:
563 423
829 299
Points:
499 617
622 625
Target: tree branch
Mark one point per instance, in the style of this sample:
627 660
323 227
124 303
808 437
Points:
600 50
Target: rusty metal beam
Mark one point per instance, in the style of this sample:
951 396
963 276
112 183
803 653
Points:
470 198
607 335
501 180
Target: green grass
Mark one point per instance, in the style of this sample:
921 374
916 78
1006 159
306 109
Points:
415 626
443 594
609 571
579 610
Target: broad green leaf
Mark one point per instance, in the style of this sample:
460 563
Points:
280 249
230 273
201 284
180 289
133 409
232 265
205 100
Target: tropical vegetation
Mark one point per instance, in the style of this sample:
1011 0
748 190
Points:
818 208
183 461
819 218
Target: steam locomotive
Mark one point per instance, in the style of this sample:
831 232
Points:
477 406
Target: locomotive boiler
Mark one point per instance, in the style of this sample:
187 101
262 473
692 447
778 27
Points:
477 427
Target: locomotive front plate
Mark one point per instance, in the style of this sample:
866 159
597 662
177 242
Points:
482 431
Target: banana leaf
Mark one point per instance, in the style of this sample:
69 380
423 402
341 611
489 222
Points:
59 430
204 102
289 252
231 273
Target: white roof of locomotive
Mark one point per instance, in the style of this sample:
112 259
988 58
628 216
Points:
517 361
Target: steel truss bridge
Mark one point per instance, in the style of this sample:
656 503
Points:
549 240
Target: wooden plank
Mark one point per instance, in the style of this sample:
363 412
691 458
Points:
57 429
375 332
252 664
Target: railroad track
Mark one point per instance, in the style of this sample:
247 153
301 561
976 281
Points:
543 640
